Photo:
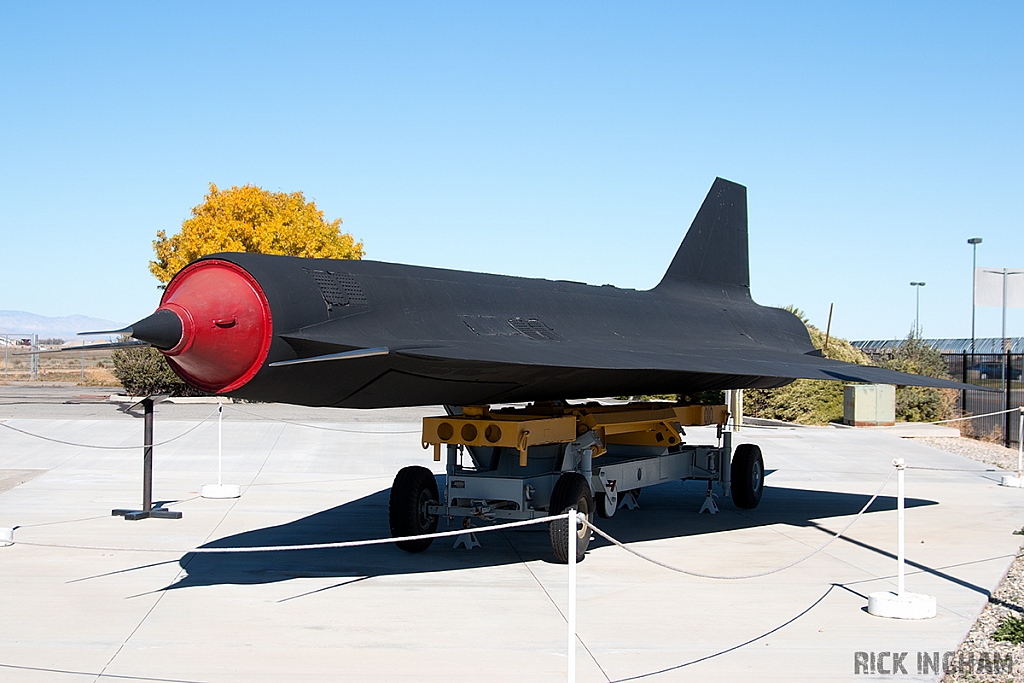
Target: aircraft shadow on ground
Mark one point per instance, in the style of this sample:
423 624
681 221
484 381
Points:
666 511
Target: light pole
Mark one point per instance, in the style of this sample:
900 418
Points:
974 242
917 313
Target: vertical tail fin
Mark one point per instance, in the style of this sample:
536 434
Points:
714 250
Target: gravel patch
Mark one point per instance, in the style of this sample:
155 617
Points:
1006 602
982 451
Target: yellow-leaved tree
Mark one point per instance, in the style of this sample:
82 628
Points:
251 219
245 218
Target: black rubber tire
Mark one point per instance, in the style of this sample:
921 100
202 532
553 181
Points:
599 505
571 490
414 489
747 476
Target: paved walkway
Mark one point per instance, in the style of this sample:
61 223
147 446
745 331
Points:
491 614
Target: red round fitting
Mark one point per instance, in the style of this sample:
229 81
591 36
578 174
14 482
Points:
225 322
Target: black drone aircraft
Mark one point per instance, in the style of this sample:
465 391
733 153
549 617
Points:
366 334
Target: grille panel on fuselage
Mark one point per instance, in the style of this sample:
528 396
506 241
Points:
338 289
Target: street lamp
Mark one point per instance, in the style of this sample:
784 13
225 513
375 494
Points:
974 242
917 314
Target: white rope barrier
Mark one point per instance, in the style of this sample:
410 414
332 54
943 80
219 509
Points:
571 517
326 429
973 417
734 577
459 532
568 517
309 546
109 448
197 425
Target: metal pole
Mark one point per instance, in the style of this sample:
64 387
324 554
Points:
963 379
1006 400
147 456
1020 446
916 315
571 607
738 420
974 242
1005 385
34 359
974 292
83 362
900 555
7 351
917 312
220 418
1005 347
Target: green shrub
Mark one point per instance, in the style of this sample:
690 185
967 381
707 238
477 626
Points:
1010 629
703 398
806 401
921 404
144 370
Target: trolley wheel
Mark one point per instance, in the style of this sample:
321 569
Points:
414 489
605 507
571 490
747 476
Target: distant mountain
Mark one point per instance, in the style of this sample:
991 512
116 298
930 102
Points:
67 327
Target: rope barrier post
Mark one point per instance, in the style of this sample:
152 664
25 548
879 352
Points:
147 469
901 604
570 611
1010 480
901 538
220 489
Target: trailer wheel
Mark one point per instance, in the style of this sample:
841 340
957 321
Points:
747 476
414 489
571 490
606 507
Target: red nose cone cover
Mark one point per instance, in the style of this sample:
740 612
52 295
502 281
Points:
226 325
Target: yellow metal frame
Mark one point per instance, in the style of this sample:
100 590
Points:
637 424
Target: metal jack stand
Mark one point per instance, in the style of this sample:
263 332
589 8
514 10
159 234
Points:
467 539
147 469
709 502
630 500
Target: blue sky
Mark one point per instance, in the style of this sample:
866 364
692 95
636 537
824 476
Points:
559 140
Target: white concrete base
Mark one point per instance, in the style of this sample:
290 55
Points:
6 536
221 491
901 606
1012 480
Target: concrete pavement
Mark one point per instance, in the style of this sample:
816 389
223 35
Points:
494 613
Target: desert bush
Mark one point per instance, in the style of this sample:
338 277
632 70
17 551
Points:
144 370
